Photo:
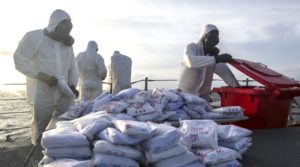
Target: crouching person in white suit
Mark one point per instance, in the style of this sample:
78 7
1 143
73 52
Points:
200 61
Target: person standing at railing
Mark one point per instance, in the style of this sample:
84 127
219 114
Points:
201 60
46 57
120 72
92 72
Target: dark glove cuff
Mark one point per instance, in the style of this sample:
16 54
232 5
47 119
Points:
217 59
76 92
72 87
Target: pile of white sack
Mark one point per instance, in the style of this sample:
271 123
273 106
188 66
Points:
216 145
64 145
120 131
101 139
124 143
157 105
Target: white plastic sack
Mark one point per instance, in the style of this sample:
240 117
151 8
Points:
105 160
174 105
69 152
230 111
191 112
66 125
121 116
192 99
106 147
63 138
176 150
125 94
215 156
102 95
74 111
166 115
196 164
237 145
135 128
233 163
180 115
46 160
97 104
115 136
201 133
88 109
166 138
139 109
93 123
172 94
140 97
243 150
175 100
70 163
114 107
149 117
231 133
199 108
158 100
177 161
212 115
183 141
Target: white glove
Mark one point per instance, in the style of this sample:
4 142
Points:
63 87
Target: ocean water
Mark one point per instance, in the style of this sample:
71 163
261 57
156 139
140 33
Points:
15 118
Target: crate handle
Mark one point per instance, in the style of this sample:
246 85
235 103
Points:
261 64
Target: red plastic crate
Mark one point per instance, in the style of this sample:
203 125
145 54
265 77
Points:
266 107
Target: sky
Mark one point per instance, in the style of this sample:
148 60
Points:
154 32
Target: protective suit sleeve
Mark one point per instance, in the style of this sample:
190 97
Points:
192 60
73 71
102 71
64 88
25 53
223 71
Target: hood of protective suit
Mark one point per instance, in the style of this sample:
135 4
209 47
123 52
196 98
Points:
92 46
56 17
208 28
116 53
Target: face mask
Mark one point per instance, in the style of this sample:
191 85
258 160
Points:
62 33
68 41
63 29
212 38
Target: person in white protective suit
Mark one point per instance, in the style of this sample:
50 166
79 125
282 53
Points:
92 71
120 72
200 61
46 57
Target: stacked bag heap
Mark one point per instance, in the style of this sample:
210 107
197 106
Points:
119 131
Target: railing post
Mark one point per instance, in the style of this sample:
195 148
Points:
110 87
247 81
146 83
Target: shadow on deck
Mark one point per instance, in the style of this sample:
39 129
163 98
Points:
274 148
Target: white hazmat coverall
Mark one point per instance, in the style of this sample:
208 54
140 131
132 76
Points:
36 53
198 69
92 71
120 72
